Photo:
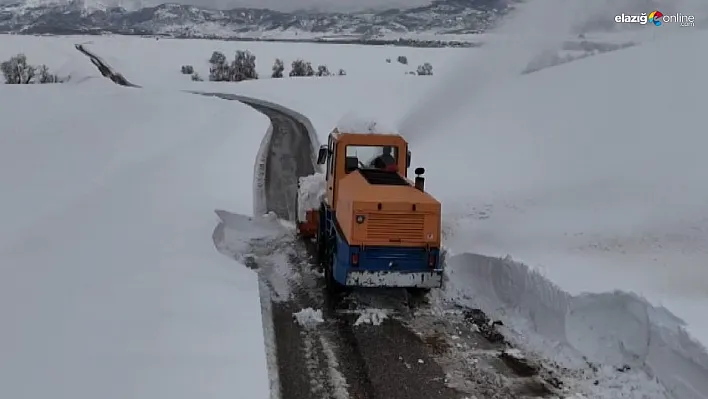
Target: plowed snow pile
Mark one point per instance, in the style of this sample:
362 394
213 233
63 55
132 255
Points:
593 174
110 285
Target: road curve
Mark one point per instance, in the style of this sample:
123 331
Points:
289 155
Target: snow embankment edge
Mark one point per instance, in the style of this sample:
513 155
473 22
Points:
614 328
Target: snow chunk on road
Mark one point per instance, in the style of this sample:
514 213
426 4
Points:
311 191
371 316
513 352
308 317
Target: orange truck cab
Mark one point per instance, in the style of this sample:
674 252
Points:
374 227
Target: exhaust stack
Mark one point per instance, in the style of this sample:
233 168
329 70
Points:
419 179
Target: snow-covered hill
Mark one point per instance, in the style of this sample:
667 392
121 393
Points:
442 22
77 16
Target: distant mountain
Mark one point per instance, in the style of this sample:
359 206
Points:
442 18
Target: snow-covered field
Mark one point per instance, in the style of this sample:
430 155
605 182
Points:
590 174
157 62
110 285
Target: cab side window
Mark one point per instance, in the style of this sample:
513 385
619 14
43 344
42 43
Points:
330 155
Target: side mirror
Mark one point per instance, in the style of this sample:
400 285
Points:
419 171
322 155
408 159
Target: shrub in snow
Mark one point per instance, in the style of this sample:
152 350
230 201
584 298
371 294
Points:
301 68
388 60
45 76
243 66
425 69
341 72
402 59
323 71
16 70
219 70
196 77
278 68
187 69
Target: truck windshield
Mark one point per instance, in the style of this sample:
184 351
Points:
370 156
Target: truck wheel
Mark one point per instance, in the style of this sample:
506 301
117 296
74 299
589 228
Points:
332 286
321 249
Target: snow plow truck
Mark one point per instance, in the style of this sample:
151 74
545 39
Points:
373 227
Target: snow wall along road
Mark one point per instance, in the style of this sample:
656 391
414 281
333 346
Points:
617 329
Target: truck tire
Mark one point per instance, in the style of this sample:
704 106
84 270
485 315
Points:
321 244
332 285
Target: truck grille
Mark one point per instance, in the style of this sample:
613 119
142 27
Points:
395 227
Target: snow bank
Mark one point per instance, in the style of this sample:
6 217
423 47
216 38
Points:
600 208
110 284
311 191
612 329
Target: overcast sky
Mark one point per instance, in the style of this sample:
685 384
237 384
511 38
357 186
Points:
281 5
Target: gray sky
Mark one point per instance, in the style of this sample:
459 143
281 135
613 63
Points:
281 5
